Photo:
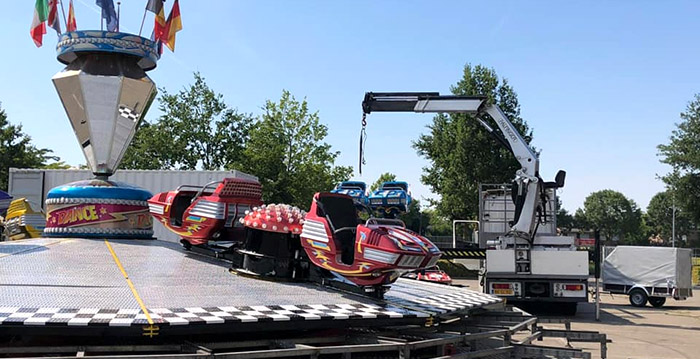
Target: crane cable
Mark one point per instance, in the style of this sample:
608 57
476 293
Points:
363 139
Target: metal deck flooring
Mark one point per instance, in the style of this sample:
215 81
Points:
77 282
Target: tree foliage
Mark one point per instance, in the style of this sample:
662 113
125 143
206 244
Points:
384 177
614 215
660 217
565 220
286 151
17 150
56 165
683 154
415 219
437 225
196 130
462 154
283 147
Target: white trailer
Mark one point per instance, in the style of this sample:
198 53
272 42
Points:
34 184
648 273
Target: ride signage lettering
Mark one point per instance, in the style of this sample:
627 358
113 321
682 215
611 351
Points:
96 214
78 214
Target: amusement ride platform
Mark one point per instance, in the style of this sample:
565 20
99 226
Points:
135 287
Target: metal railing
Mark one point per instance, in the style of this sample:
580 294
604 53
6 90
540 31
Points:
447 242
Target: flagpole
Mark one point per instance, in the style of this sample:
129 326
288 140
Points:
63 12
143 19
119 8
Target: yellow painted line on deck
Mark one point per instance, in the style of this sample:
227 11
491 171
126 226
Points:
131 285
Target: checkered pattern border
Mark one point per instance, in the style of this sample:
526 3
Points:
447 303
201 315
128 113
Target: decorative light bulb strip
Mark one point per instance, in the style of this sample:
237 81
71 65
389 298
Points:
280 218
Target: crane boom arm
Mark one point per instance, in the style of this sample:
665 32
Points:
527 177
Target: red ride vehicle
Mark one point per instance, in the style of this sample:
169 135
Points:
199 214
433 274
368 254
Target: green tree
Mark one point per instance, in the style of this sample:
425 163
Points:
57 165
614 215
17 150
287 153
437 225
415 219
384 177
565 220
660 217
683 154
196 130
462 154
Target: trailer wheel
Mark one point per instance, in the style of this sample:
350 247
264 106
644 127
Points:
657 302
638 297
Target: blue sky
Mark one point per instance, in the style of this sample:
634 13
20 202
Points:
601 83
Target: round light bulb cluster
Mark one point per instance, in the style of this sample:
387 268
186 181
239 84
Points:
281 218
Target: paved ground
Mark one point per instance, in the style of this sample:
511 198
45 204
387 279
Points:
670 332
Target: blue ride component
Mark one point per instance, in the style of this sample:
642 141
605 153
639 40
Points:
100 189
355 189
5 200
93 41
392 196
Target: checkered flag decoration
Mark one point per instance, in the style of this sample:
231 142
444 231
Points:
206 315
128 113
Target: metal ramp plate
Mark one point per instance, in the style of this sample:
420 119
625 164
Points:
94 283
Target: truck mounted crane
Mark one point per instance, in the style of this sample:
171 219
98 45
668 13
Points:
520 264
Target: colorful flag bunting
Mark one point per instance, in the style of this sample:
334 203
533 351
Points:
108 13
53 16
71 25
38 28
173 25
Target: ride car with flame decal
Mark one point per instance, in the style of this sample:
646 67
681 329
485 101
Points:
373 253
199 214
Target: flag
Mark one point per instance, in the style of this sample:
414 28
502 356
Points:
38 28
156 7
53 16
108 13
158 42
70 25
173 25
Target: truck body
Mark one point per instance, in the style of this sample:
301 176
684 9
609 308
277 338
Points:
648 273
548 269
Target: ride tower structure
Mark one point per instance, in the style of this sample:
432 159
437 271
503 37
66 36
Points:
106 92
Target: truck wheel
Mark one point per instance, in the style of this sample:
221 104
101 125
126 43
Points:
638 297
657 302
